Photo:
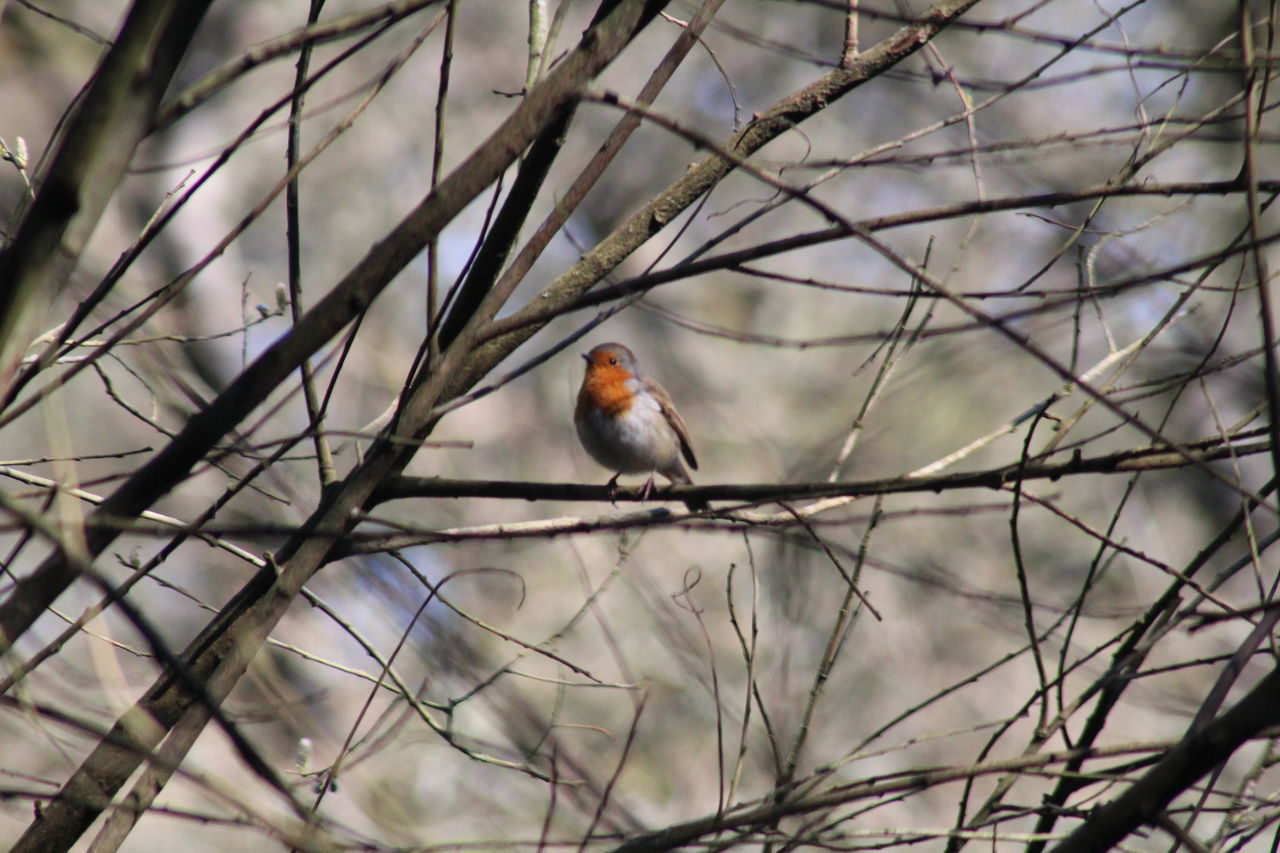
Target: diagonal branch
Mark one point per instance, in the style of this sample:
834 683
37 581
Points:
1198 753
783 116
114 115
221 653
331 314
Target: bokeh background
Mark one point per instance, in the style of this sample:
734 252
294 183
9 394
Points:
664 673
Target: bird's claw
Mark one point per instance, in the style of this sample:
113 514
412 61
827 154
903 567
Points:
647 489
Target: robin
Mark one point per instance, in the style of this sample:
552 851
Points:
627 422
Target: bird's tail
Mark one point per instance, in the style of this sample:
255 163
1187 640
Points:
680 474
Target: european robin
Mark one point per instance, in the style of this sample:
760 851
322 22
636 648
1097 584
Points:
627 422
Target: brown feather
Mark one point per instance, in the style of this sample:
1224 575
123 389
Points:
673 418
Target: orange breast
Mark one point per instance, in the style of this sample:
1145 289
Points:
604 389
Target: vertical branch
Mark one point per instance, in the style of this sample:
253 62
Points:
293 234
1024 588
749 655
1271 371
437 165
539 30
850 52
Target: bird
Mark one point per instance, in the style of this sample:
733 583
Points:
627 422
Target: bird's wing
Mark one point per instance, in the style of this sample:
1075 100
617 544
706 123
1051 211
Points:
677 423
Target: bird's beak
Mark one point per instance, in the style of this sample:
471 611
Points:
586 356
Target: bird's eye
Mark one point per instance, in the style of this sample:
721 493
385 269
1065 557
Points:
613 359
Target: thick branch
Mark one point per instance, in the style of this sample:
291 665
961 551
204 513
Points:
341 305
223 650
114 114
1197 754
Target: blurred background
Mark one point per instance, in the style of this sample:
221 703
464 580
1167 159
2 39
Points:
669 672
